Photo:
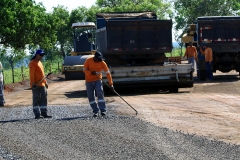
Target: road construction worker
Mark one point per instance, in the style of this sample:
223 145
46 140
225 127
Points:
191 54
208 59
39 88
2 101
93 68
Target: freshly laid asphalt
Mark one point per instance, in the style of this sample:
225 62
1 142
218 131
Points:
72 133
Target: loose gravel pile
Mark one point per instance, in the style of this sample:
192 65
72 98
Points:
72 133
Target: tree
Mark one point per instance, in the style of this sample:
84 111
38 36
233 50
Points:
161 8
12 56
188 11
23 22
63 29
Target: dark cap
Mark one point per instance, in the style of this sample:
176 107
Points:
98 55
40 52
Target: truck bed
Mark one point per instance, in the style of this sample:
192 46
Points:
222 33
135 37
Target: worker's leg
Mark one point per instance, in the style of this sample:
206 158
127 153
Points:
209 71
35 101
198 70
100 95
43 100
90 86
2 101
191 61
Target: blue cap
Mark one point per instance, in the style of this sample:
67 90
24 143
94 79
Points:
40 52
98 55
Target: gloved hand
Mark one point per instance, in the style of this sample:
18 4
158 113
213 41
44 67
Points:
46 85
93 73
34 86
111 88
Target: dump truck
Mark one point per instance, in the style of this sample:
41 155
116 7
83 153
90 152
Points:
84 46
134 46
222 34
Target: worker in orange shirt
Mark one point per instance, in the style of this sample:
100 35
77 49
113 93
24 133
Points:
191 54
93 68
39 88
208 59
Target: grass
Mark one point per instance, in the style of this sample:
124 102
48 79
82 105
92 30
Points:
22 73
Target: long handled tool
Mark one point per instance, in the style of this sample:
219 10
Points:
119 95
35 86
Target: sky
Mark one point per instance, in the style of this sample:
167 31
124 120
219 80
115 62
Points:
70 4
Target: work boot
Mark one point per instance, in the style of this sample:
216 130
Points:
95 114
46 116
103 114
39 117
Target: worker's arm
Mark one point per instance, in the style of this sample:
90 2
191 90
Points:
86 68
31 74
195 54
108 74
185 55
210 54
203 52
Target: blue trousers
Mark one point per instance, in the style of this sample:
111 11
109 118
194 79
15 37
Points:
191 61
209 74
97 87
39 97
2 101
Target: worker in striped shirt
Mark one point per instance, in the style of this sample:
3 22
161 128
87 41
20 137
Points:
93 68
191 54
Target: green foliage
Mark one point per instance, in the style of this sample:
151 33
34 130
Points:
176 52
24 23
188 10
63 30
161 8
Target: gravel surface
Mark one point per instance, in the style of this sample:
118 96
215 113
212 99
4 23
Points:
73 134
